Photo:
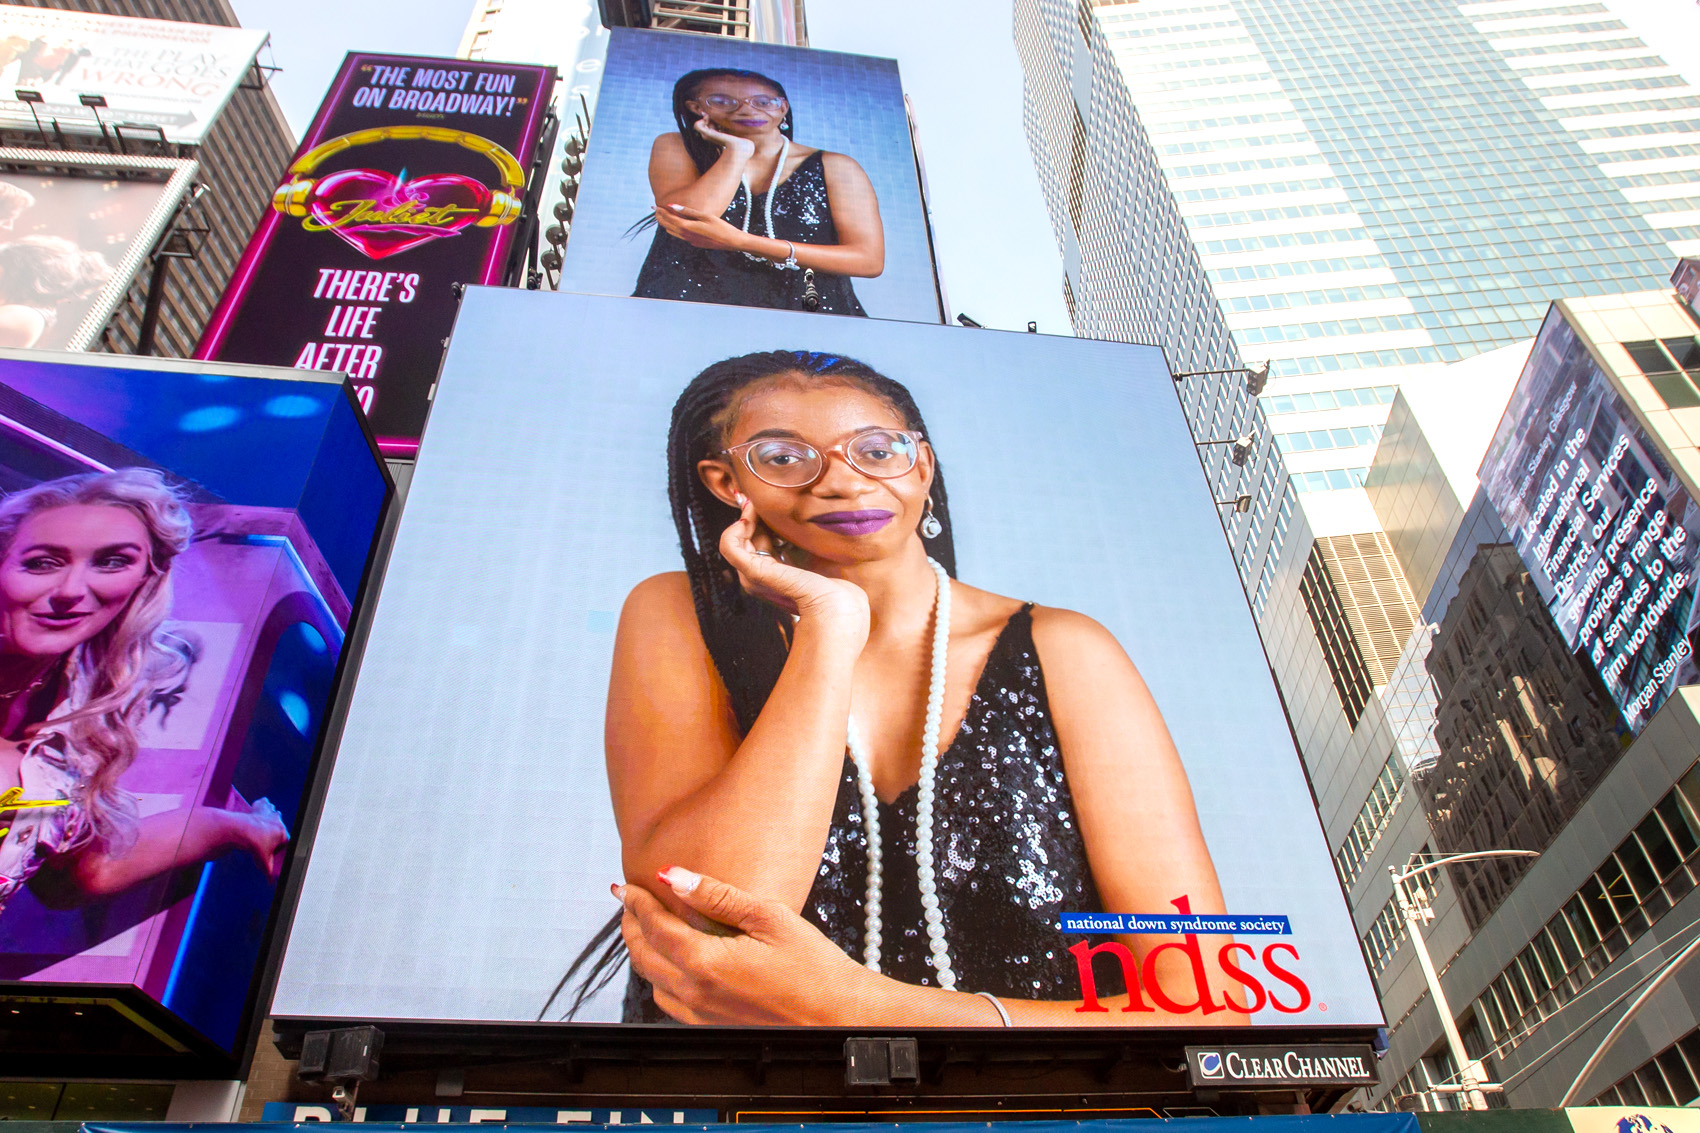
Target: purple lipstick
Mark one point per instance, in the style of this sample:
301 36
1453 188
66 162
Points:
854 522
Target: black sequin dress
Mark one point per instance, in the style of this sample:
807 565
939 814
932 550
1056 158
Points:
801 213
1008 853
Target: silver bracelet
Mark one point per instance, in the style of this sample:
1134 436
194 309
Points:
994 1001
789 263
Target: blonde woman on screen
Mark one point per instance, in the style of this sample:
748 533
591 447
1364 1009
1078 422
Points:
894 782
85 587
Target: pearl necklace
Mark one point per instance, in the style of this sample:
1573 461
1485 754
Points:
767 205
925 876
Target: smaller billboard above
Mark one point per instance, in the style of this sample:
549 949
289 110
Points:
754 175
410 180
156 73
1600 519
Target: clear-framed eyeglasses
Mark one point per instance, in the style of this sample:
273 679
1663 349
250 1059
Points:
784 462
724 102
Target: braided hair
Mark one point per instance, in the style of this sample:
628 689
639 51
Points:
746 637
704 152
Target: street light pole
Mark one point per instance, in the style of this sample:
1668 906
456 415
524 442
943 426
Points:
1471 1074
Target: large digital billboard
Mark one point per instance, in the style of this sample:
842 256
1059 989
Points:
1601 520
74 231
410 181
689 611
182 554
725 171
156 74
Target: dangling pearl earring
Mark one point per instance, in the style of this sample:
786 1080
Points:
931 528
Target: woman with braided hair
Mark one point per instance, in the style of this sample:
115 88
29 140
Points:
899 780
747 215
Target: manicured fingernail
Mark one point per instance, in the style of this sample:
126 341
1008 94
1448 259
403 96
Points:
743 500
677 208
681 880
618 890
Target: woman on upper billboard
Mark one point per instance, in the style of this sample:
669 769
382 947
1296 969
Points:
907 779
85 588
745 214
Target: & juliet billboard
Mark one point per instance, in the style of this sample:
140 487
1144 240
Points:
411 179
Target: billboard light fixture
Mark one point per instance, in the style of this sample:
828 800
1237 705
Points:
564 211
92 101
556 234
1256 377
24 94
1240 453
968 322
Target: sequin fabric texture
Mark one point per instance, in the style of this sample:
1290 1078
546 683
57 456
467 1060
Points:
801 213
1007 848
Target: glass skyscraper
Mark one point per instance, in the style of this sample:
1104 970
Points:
1379 187
1382 196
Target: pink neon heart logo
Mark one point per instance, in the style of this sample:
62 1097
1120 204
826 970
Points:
381 215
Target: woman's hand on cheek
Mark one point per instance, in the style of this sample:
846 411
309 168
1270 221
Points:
776 969
731 143
750 549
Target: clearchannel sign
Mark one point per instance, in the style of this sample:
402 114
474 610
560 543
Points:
1255 1066
1600 519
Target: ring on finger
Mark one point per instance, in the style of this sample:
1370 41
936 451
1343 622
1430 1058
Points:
763 554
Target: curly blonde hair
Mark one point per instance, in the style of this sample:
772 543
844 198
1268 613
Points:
111 680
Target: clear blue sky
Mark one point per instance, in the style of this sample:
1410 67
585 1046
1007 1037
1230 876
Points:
996 250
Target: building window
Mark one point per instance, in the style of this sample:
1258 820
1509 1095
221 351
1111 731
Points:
1371 822
1334 634
1672 365
1387 933
1276 404
1314 440
1671 1077
1077 172
1648 873
1375 595
1330 479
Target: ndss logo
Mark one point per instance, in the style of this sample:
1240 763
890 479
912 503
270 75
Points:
1209 1064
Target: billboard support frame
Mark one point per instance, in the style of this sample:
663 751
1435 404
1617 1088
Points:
187 1054
178 174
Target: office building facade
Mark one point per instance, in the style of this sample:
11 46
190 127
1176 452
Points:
1378 216
1522 746
1334 611
241 162
1376 190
